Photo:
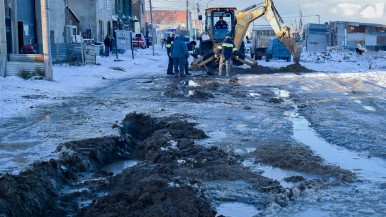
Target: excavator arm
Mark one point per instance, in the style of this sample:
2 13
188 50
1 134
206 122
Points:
248 15
244 19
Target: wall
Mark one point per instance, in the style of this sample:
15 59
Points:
349 34
316 37
57 21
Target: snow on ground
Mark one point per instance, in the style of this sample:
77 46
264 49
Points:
16 93
72 80
18 96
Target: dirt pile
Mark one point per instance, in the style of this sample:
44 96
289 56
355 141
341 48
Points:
152 191
175 177
299 158
34 192
168 181
296 68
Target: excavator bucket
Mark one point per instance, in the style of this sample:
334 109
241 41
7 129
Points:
293 47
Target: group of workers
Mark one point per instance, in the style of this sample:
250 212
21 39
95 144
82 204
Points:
179 51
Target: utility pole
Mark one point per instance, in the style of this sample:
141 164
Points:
46 39
151 26
3 39
187 16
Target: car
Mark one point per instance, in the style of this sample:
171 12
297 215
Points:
138 40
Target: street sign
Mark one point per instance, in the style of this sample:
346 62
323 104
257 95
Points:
123 38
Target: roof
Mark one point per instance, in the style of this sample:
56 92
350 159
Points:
72 13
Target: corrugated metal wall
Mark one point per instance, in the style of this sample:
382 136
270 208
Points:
316 43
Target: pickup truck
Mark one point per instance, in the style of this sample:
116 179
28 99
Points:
277 50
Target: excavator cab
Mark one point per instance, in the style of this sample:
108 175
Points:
220 22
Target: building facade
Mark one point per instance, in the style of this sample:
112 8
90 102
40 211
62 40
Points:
95 18
139 15
350 34
316 37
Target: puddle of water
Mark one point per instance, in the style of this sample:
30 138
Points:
118 166
244 150
367 168
254 94
191 83
369 108
236 209
215 136
276 173
281 93
314 212
16 146
241 126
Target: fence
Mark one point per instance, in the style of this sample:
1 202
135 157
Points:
77 54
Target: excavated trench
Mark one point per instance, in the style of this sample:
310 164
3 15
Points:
173 176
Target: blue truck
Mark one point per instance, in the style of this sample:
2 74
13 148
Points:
277 50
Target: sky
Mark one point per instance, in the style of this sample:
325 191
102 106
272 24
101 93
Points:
369 11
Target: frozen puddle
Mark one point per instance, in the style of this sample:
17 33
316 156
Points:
366 168
118 166
236 209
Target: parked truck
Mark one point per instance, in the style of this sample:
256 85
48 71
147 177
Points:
277 50
260 40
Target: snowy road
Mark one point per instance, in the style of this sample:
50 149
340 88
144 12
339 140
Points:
340 116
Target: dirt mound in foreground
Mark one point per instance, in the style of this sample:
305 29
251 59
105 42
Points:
169 181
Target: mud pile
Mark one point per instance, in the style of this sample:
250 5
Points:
168 181
34 192
296 68
299 158
174 176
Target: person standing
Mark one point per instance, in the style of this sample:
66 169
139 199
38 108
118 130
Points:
179 54
169 43
191 49
226 50
108 43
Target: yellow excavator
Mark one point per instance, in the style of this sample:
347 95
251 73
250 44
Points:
238 23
